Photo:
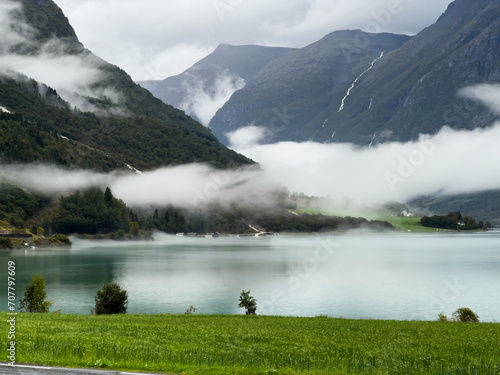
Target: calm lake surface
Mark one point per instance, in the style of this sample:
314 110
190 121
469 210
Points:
382 276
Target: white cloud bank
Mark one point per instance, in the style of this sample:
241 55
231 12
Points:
187 186
450 162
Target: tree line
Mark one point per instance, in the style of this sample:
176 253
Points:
96 212
454 221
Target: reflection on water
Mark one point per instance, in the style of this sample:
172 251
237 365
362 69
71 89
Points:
381 276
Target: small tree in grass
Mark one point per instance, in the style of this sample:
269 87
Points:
466 315
111 299
248 302
34 296
442 317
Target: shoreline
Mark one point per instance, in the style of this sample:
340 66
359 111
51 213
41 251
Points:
33 242
47 243
230 316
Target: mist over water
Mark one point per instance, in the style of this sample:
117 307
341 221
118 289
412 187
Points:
357 275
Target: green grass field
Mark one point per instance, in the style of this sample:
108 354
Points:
403 223
203 344
407 223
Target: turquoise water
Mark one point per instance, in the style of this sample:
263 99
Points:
357 275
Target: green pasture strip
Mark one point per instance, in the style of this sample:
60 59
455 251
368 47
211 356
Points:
215 344
407 223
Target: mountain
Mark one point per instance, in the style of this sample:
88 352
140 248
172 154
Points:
62 105
412 89
289 92
96 107
215 77
415 89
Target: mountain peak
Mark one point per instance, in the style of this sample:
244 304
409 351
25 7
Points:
224 46
48 20
464 8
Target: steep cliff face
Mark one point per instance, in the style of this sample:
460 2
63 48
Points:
331 92
415 90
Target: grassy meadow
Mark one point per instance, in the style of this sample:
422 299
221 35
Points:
212 344
407 223
402 223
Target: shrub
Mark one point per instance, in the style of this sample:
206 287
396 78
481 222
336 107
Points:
248 302
466 315
34 296
60 238
5 243
111 299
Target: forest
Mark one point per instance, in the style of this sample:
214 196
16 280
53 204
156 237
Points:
454 221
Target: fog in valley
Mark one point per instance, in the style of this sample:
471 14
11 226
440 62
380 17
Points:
451 162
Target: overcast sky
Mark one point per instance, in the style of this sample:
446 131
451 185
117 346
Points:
155 39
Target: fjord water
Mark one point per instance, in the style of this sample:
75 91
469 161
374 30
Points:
398 276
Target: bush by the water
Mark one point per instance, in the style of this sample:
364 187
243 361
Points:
34 296
5 243
60 239
111 299
248 302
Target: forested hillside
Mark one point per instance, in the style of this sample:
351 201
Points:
109 113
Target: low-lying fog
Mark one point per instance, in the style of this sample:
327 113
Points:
450 162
